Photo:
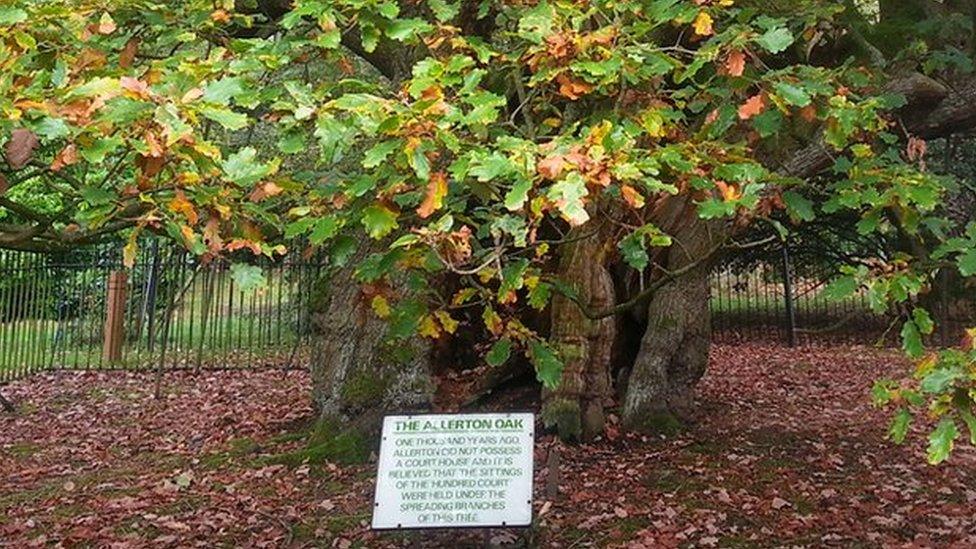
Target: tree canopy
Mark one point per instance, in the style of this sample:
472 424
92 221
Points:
474 139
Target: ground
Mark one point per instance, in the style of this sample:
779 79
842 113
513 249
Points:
786 451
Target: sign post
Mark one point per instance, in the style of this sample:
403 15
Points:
455 471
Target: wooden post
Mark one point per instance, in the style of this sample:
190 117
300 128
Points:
114 318
788 296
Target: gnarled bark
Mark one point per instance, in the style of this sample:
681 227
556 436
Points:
576 407
358 374
674 350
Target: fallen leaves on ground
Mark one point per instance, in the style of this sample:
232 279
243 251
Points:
785 450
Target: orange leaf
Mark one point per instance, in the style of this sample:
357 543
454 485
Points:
729 192
436 191
809 113
735 64
753 106
181 205
632 197
105 24
265 190
220 16
572 88
136 89
551 167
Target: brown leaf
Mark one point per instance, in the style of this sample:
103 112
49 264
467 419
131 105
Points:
265 190
20 147
150 166
128 54
67 157
4 185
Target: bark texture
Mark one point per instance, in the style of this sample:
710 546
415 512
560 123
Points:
357 373
674 350
576 408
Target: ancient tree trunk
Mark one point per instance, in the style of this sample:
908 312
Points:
576 407
673 353
357 373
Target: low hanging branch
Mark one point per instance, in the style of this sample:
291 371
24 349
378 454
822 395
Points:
669 276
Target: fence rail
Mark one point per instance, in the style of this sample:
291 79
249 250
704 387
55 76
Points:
84 311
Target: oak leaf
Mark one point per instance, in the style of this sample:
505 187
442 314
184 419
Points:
704 24
20 147
436 191
754 106
735 63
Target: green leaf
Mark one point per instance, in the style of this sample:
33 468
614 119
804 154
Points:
568 194
841 288
299 227
938 381
967 262
379 220
243 168
970 420
776 40
225 117
12 16
548 367
223 90
513 277
52 128
406 319
406 29
490 167
899 426
799 206
633 252
292 143
923 320
99 86
379 152
325 229
96 152
941 441
518 195
443 10
499 352
248 278
911 340
794 95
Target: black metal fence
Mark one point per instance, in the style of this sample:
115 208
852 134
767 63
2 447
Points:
771 300
776 297
83 310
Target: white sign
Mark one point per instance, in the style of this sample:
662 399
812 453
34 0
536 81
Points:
450 471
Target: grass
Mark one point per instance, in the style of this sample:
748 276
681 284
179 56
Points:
33 345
